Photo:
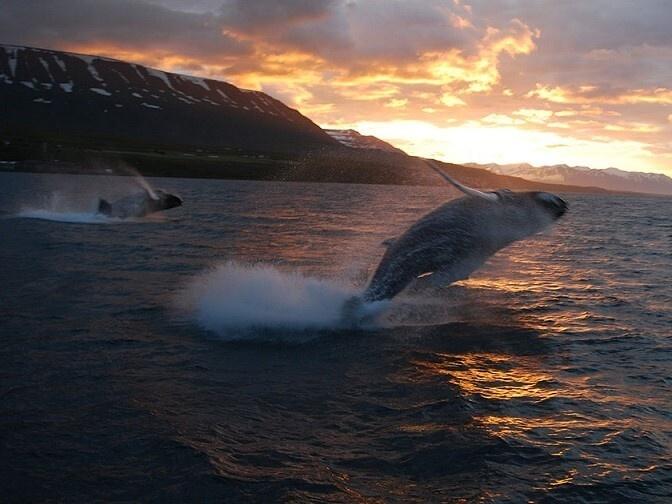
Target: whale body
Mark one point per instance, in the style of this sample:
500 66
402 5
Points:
451 242
454 240
139 205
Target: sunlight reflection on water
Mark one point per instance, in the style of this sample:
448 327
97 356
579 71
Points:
544 378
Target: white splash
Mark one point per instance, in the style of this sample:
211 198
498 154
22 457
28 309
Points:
234 297
68 217
142 182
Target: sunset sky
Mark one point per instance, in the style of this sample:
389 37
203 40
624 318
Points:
544 82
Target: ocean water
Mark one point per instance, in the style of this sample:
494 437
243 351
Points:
196 356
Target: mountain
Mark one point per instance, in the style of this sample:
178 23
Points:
356 140
54 93
612 179
71 113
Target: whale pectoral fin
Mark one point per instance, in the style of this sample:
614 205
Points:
424 279
104 207
439 278
388 242
455 272
445 277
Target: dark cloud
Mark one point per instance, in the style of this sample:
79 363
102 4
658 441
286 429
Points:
346 33
602 42
351 31
263 15
394 31
132 24
581 25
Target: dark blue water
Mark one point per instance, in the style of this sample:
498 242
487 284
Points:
194 356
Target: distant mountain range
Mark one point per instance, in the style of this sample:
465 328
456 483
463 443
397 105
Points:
611 179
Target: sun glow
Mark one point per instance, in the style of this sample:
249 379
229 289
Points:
493 118
503 143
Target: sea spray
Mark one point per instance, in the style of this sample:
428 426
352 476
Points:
76 198
67 217
233 297
142 182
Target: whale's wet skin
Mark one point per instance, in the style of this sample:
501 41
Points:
545 377
139 204
456 239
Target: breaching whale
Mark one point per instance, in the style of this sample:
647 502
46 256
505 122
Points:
451 242
139 205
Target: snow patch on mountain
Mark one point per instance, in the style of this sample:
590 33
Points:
356 140
101 91
105 97
106 76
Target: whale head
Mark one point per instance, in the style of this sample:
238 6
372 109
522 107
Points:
539 205
167 200
553 205
520 214
543 203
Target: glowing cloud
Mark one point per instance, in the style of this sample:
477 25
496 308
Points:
464 143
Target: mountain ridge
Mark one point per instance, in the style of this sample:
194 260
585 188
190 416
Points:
356 140
612 179
72 113
98 96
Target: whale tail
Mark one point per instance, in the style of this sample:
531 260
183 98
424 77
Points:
104 207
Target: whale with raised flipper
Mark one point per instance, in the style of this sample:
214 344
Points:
452 241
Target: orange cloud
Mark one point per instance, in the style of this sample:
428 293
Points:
460 22
464 143
480 73
450 100
591 95
155 58
633 127
534 115
501 119
397 103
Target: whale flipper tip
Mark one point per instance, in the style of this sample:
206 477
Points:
351 312
104 207
357 312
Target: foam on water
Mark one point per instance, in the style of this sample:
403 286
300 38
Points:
69 217
233 297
